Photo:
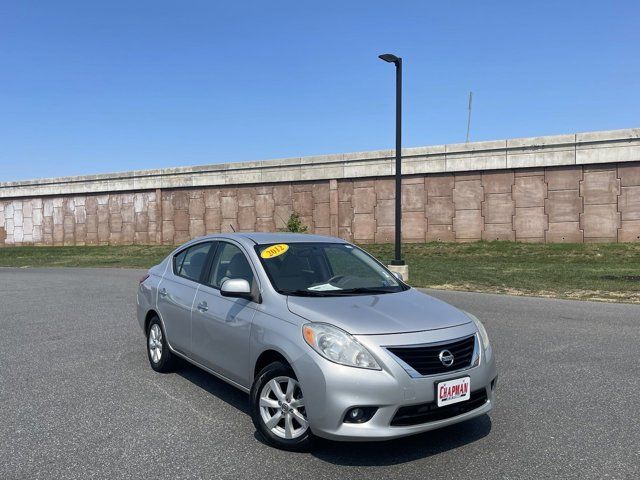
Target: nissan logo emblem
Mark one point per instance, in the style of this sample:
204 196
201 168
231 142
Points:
446 358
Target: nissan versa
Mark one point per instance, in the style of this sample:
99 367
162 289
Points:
326 340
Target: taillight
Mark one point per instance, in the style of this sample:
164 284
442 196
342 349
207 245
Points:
143 278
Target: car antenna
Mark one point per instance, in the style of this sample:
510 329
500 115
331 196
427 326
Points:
234 230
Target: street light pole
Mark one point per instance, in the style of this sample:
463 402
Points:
387 57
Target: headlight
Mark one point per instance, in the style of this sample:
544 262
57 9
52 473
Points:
338 346
484 337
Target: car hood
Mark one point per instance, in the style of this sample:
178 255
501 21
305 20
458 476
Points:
408 311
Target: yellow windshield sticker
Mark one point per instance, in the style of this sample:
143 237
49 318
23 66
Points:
274 250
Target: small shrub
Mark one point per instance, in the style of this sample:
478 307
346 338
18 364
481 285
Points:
295 225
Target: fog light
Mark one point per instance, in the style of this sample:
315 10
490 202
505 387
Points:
359 414
355 414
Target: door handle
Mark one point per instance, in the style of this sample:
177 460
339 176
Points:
163 292
202 306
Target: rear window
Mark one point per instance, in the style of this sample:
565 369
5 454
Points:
190 262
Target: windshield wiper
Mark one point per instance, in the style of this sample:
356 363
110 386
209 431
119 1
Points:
366 290
335 293
307 293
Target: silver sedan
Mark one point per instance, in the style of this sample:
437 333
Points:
323 337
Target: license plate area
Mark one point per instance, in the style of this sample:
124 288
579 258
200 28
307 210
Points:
453 391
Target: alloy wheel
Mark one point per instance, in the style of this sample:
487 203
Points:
155 343
282 408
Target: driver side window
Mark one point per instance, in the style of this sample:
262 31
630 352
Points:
230 262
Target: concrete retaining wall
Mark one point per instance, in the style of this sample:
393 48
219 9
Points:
566 188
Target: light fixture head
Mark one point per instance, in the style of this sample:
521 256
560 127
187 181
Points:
389 57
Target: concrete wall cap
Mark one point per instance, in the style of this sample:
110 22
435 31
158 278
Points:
627 134
476 146
569 140
594 147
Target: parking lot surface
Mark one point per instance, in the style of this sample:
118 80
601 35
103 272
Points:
79 400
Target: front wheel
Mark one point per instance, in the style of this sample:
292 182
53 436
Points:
278 409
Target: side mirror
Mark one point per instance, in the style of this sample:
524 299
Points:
236 287
398 275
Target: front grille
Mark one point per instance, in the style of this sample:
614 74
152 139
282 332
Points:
430 412
424 358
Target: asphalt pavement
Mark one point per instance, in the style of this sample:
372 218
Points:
79 400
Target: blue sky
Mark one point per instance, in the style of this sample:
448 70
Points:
90 87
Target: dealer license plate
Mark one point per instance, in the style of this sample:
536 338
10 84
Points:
453 391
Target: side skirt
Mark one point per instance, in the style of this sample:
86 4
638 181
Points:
208 370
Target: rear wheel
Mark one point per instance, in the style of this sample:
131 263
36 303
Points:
158 352
278 408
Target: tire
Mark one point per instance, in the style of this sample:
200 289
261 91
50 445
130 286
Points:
160 357
290 430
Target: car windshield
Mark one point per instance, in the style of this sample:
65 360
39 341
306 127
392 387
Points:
325 269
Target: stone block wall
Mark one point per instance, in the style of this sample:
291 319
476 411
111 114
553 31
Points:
109 219
554 204
581 187
579 203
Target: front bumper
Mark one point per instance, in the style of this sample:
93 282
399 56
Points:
331 389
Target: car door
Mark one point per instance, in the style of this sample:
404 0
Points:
221 325
176 292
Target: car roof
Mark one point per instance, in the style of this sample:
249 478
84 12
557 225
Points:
278 237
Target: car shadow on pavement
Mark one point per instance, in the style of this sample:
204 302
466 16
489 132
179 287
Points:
407 449
391 452
220 389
